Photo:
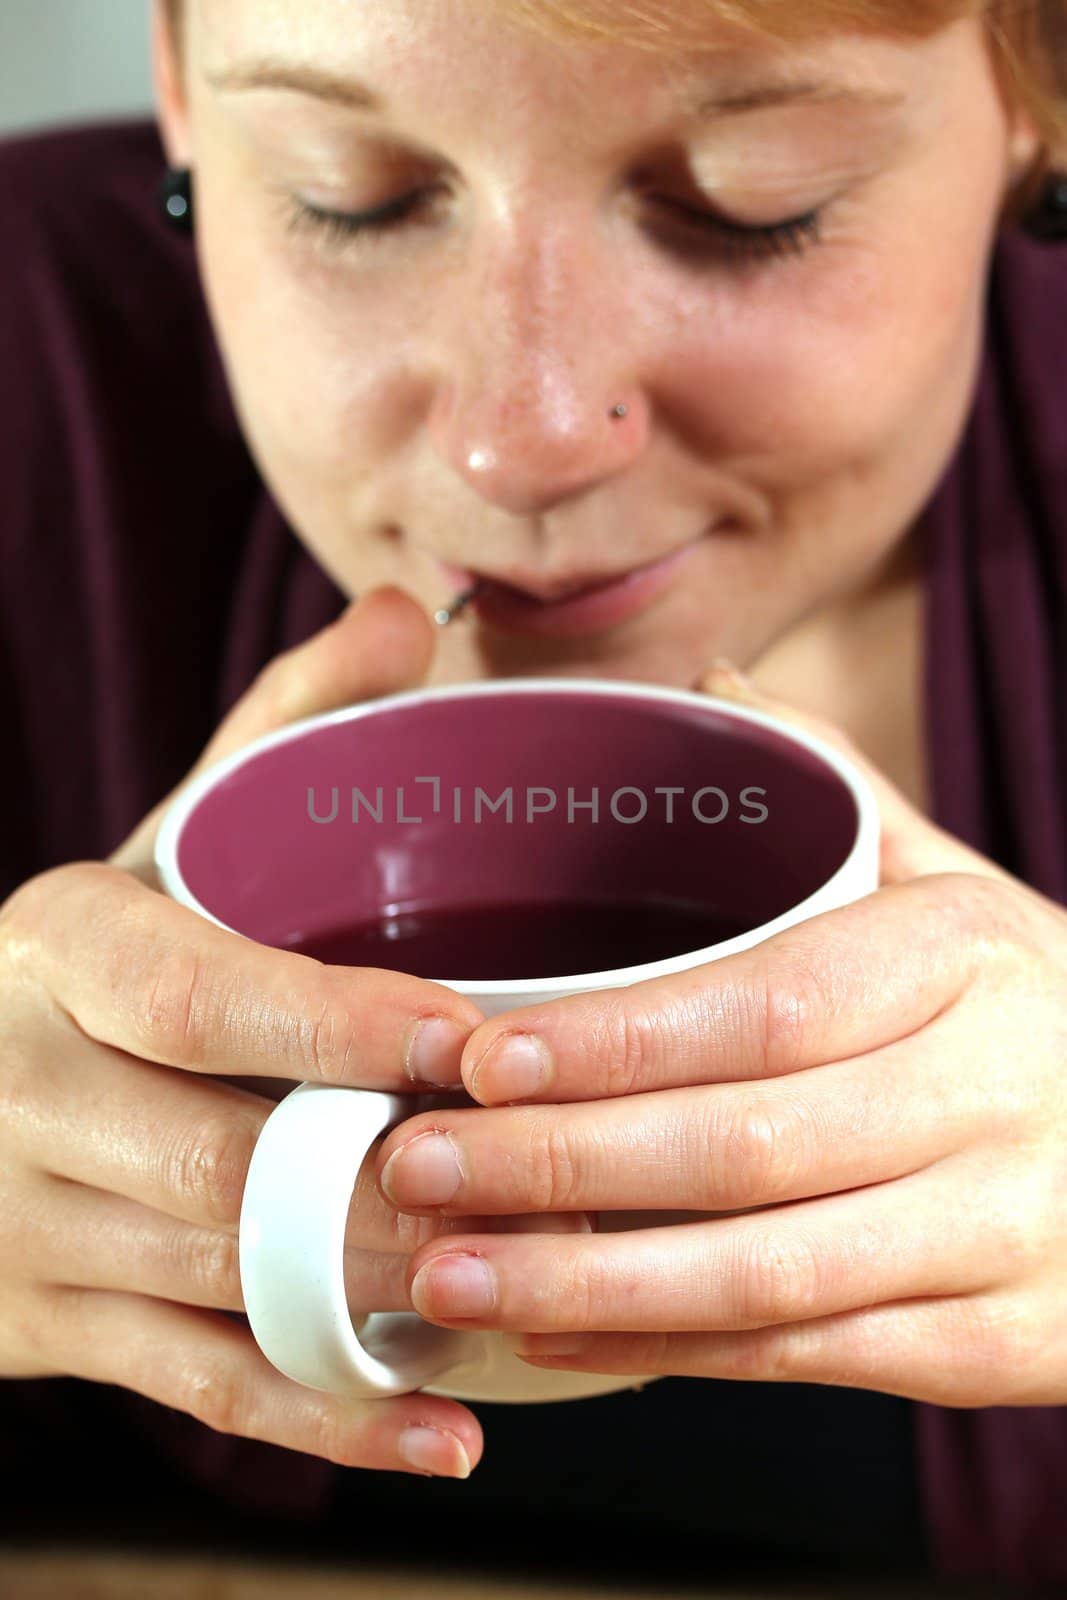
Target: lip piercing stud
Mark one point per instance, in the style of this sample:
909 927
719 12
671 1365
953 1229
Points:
448 613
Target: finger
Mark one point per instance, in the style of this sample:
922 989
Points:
205 1364
911 844
894 1241
145 975
848 980
75 1235
722 1147
382 643
949 1350
181 1146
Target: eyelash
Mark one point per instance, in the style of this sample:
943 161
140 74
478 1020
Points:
732 240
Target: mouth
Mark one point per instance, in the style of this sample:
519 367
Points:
573 607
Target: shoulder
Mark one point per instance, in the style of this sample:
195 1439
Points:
115 413
106 347
89 264
1018 456
1031 272
67 188
129 493
1027 331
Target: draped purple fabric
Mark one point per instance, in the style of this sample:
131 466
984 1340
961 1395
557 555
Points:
995 1480
146 575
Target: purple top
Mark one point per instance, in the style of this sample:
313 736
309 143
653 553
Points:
148 575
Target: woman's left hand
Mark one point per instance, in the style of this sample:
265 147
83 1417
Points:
889 1078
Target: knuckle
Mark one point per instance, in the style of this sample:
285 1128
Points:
209 1168
326 1047
998 1349
208 1260
1023 1371
620 1041
172 1004
778 1281
553 1176
794 995
1023 1232
985 910
764 1148
790 1361
53 1320
216 1394
22 913
333 1437
25 912
795 1357
38 1319
587 1285
17 920
984 900
653 1352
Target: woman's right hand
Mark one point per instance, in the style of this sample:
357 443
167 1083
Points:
130 1026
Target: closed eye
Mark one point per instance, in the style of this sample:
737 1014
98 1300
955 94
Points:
730 239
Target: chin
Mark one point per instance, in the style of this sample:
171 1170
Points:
655 662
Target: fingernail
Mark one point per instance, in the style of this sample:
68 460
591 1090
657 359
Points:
514 1067
434 1050
559 1222
724 674
425 1172
454 1286
434 1450
552 1344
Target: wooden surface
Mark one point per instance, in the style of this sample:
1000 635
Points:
102 1575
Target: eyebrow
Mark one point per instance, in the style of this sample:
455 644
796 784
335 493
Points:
805 93
270 73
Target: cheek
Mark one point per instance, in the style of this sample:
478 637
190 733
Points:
309 364
834 365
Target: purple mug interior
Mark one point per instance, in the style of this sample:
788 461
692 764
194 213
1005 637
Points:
330 827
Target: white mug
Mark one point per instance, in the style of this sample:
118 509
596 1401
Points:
250 846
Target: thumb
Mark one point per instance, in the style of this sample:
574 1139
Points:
382 643
911 845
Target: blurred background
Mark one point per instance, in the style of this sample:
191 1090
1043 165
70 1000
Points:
72 60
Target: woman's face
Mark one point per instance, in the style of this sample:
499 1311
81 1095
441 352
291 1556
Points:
437 394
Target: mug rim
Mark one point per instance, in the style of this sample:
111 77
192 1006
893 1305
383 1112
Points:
179 813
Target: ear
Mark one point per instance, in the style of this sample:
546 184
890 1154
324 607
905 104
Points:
168 77
1027 164
1025 146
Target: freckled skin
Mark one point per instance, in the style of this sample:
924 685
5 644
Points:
444 390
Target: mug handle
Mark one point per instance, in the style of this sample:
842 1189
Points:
291 1242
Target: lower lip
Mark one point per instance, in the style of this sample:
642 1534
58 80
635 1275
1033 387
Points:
590 612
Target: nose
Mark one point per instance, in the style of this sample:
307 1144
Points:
539 404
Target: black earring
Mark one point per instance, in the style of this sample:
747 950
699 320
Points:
176 199
1048 218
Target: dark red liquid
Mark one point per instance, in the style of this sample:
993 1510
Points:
540 940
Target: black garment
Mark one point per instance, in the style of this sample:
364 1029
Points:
688 1479
691 1480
